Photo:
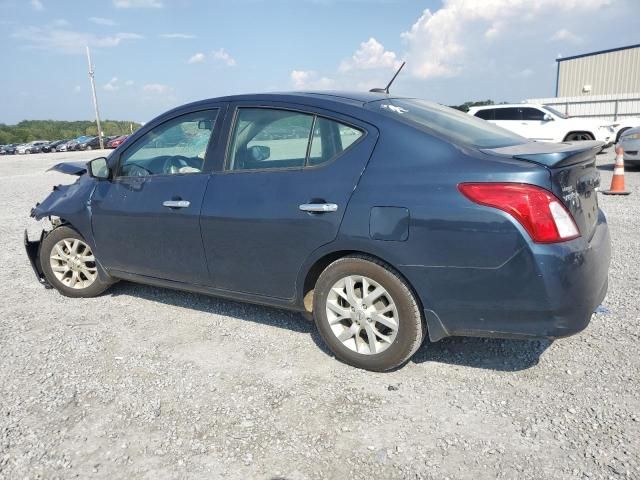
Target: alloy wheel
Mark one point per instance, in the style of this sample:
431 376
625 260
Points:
362 314
73 263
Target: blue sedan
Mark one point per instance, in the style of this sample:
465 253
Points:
388 219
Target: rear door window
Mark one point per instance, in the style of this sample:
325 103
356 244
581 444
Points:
265 138
330 139
508 113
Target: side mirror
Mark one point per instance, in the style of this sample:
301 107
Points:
547 118
99 168
260 152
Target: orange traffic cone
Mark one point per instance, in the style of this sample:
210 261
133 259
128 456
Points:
617 181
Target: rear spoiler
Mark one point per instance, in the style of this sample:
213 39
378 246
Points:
552 155
70 168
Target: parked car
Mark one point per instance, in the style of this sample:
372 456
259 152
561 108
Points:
623 124
90 143
543 123
391 219
72 145
63 146
31 147
116 142
630 142
52 146
8 149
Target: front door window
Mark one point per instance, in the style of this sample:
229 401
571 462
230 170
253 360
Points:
177 146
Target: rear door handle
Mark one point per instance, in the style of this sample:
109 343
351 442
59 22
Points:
318 207
176 203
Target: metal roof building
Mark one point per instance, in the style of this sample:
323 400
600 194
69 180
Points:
606 72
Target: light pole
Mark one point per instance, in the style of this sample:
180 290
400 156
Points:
95 98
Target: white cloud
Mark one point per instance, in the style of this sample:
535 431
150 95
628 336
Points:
310 80
68 41
222 55
37 5
129 83
565 35
77 89
197 58
59 23
137 3
102 21
182 36
438 43
156 89
112 85
371 54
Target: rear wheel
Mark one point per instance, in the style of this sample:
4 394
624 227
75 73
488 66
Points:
578 137
69 265
367 314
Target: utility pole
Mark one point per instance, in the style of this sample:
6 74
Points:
95 98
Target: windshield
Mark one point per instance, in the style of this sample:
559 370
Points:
555 112
449 123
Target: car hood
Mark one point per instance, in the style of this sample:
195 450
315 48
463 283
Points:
70 168
631 131
586 122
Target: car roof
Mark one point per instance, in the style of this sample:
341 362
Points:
316 97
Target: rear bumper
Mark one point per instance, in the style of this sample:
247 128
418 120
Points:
544 291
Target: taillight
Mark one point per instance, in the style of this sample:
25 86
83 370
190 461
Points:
538 210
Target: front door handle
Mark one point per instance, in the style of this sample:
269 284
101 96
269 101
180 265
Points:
176 203
318 207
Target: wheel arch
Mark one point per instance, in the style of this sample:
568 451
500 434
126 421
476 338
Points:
309 276
572 132
314 268
620 132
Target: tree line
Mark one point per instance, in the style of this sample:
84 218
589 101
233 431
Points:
29 130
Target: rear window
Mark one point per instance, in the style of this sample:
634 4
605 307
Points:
446 122
488 114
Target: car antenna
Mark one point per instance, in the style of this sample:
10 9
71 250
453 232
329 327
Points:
386 89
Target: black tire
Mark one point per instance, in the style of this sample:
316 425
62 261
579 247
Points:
99 285
411 327
578 137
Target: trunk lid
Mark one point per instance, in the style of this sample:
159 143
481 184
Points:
574 176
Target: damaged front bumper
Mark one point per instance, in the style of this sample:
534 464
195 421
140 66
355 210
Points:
33 252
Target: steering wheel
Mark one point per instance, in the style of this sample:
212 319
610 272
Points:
173 164
135 170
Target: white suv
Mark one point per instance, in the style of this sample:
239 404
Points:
543 123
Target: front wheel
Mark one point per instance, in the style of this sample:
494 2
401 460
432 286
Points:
69 265
367 314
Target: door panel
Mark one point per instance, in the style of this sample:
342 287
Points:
256 237
135 233
534 124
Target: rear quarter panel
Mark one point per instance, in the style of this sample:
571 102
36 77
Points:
454 247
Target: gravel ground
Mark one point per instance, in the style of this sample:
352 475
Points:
152 384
